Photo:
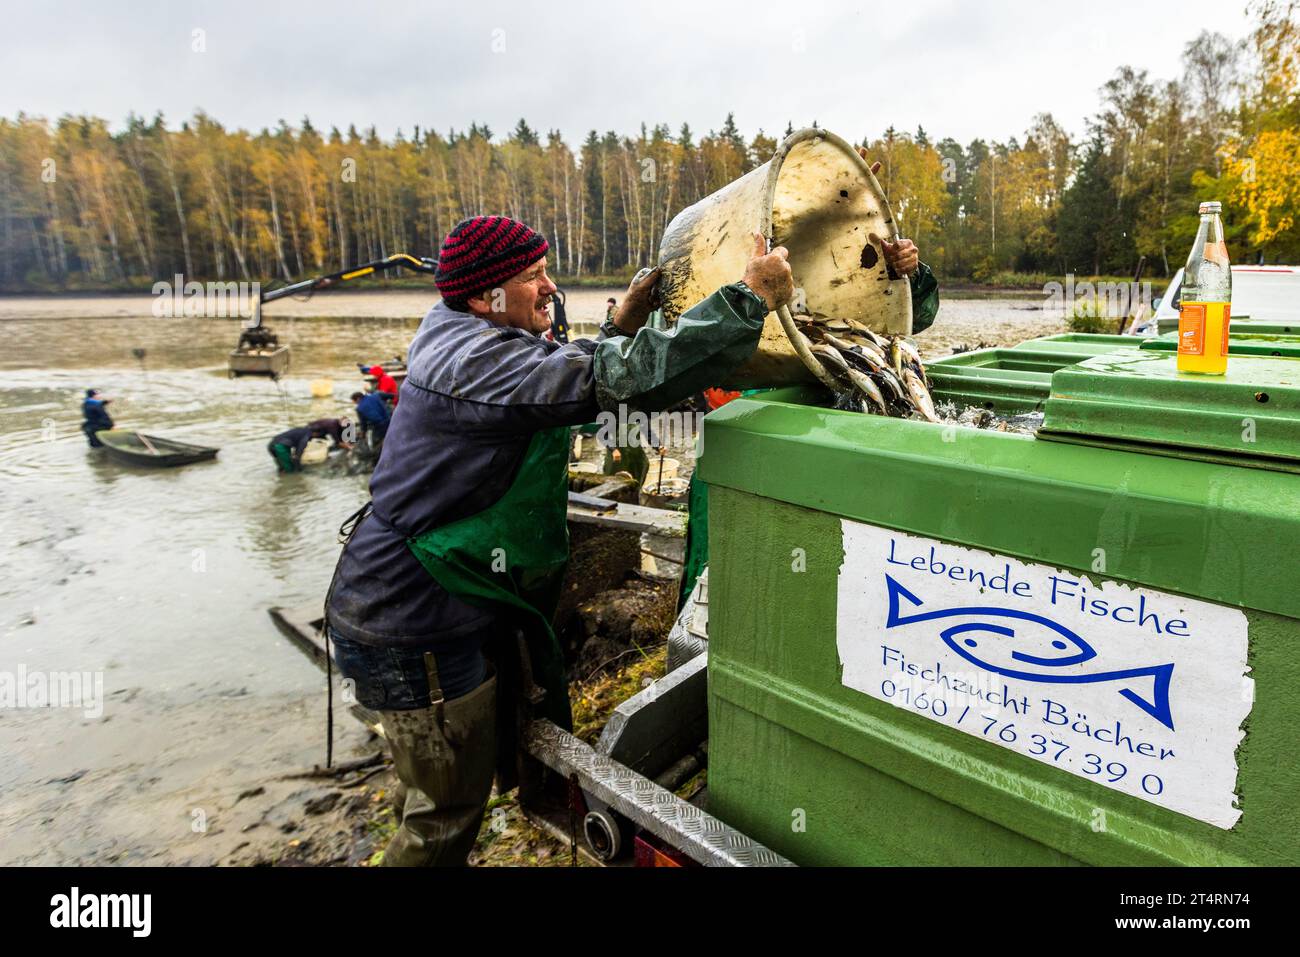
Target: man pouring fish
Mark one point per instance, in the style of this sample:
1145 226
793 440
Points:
440 609
453 642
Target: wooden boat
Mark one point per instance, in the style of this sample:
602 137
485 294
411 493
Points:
305 627
399 376
136 448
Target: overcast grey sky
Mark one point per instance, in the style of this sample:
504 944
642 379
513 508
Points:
959 69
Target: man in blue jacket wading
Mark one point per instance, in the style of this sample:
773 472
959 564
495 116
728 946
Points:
373 414
95 417
441 602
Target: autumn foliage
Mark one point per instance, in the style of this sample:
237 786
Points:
83 205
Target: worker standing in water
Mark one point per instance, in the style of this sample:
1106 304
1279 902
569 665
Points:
441 602
338 431
384 383
287 447
95 417
373 416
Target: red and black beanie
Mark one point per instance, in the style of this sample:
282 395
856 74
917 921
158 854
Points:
481 253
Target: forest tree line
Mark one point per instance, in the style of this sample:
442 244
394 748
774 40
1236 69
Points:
85 206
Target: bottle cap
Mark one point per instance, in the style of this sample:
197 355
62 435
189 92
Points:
1211 207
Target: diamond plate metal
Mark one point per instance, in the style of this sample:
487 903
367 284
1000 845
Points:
700 836
682 647
689 634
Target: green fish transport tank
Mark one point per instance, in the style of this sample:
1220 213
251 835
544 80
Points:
940 645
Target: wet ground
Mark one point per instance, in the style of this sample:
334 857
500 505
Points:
979 322
159 582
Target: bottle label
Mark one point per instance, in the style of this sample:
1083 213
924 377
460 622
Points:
1227 309
1191 329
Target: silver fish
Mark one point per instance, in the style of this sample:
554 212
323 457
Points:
830 358
920 395
863 361
866 332
868 388
909 351
887 380
886 373
896 356
837 342
871 349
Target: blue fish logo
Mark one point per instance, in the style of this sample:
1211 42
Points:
1075 650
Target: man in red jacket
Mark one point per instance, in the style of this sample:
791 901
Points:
384 382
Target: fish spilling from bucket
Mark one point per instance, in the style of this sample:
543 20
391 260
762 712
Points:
881 375
978 417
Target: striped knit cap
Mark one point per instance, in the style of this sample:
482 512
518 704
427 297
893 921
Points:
482 252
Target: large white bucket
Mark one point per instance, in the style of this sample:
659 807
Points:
316 452
817 197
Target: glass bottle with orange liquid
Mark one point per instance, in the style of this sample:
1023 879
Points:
1206 299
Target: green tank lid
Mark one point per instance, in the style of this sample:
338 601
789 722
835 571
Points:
999 379
1240 344
1019 359
1265 328
1245 327
1088 343
1016 379
1137 399
1016 393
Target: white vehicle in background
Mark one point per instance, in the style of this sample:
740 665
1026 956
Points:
1259 293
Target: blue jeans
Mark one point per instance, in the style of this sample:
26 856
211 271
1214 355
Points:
395 679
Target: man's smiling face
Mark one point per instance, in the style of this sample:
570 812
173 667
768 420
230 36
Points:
521 302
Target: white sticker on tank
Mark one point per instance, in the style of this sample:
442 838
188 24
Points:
1138 690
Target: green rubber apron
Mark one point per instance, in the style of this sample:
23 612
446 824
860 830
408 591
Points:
513 553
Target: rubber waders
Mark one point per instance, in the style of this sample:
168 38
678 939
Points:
510 556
